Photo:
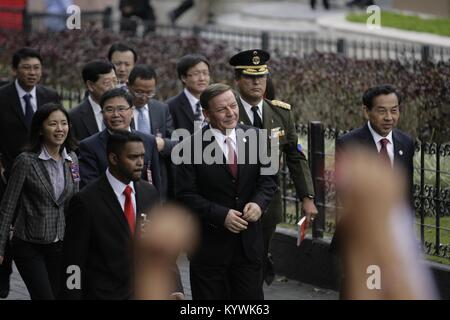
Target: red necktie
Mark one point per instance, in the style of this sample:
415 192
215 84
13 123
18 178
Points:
232 158
128 208
383 151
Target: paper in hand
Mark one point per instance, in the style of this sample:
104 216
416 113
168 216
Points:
302 226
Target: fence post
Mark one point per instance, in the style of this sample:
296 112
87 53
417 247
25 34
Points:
26 21
265 40
316 158
342 46
426 53
107 18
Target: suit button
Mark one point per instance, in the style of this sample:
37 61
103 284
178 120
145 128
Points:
234 181
237 198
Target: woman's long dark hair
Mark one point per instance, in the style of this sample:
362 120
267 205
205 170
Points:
37 122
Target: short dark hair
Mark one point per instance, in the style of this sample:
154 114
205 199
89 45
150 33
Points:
116 92
93 69
25 53
121 47
376 91
188 61
118 140
212 91
142 71
41 114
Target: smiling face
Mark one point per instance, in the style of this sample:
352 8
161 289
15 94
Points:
54 129
117 114
384 114
223 111
28 73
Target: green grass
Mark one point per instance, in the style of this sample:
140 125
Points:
439 26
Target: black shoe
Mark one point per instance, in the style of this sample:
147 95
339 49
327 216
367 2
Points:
4 288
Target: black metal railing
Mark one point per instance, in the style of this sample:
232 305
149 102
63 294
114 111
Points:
431 188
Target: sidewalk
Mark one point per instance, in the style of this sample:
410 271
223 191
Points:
280 289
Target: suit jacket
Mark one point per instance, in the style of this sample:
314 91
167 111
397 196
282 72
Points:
403 150
98 241
12 121
181 111
29 202
94 160
275 117
211 191
161 124
83 120
403 159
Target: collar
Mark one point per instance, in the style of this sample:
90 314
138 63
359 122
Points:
21 92
192 100
117 185
376 137
144 107
112 132
44 155
95 106
220 137
248 107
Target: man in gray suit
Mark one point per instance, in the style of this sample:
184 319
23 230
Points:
152 117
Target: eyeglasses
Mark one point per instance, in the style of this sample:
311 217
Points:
119 109
197 74
143 94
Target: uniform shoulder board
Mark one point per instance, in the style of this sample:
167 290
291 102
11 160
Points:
281 104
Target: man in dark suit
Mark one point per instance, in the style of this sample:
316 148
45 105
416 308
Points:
381 107
152 117
123 58
251 73
99 76
101 222
193 71
229 198
117 113
19 100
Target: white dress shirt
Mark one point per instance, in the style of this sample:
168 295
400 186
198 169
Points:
98 113
119 188
248 109
193 102
377 138
21 92
220 138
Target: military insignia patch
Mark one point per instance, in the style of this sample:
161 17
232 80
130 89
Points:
281 104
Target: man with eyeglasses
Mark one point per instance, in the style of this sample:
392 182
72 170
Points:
117 111
193 71
99 76
19 101
152 117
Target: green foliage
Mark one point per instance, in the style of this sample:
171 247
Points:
439 26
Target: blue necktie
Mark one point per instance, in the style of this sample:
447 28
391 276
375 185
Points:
28 109
143 123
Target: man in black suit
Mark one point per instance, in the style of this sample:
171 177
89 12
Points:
193 71
123 58
152 117
381 107
229 198
99 76
117 113
101 222
19 100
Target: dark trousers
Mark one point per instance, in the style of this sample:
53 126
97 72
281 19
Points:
6 266
238 279
39 266
268 233
326 5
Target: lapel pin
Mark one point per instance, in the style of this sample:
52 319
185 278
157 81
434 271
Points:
242 122
400 152
244 139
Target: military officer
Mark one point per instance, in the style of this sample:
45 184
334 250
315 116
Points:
251 73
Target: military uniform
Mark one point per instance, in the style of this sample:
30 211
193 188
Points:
277 118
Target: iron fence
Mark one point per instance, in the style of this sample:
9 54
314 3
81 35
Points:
431 188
